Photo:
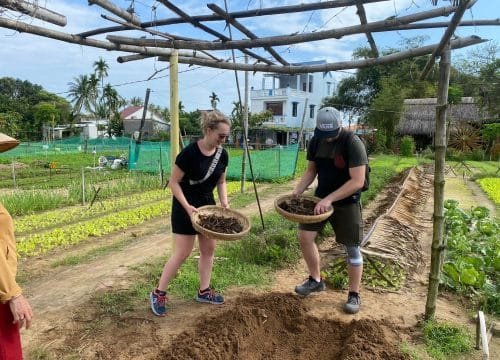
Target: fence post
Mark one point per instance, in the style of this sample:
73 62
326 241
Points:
14 172
83 186
481 335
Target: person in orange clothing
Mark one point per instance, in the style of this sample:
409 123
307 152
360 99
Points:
15 310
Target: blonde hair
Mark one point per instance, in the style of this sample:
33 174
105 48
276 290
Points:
210 120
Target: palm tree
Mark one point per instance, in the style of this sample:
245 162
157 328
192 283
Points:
135 101
214 99
111 101
101 68
83 93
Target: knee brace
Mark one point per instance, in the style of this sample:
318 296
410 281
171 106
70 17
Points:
354 257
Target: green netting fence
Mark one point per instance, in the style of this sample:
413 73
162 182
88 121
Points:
74 144
149 156
269 164
154 157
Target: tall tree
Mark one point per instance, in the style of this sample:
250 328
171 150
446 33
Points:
101 68
386 108
214 99
83 93
136 101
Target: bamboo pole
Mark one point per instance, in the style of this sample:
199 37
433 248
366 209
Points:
363 20
438 239
245 31
112 8
174 109
289 39
464 5
342 65
205 28
34 10
238 14
245 133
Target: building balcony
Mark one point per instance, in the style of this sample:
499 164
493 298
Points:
276 120
277 93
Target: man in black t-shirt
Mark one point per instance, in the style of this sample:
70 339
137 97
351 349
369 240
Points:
341 175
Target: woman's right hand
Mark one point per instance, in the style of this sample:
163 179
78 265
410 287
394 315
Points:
21 311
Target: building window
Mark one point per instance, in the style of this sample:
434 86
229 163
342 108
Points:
304 86
328 88
275 107
310 83
311 111
295 105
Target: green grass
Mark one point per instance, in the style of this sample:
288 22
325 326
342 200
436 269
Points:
444 341
491 186
92 254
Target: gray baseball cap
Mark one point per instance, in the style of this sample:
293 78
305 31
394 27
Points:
327 123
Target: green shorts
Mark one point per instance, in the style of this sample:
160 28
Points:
347 223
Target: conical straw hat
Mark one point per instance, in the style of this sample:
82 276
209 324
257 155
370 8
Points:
7 142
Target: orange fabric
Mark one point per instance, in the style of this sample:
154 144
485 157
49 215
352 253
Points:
8 258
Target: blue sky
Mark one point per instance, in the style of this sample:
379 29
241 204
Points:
53 64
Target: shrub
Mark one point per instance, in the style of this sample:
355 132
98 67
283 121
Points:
407 146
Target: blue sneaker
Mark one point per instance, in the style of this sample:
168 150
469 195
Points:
209 296
158 303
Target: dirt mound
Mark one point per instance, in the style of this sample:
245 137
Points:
277 326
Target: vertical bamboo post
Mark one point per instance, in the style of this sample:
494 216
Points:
83 186
14 172
438 240
245 132
174 107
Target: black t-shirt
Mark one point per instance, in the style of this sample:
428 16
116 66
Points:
332 168
195 166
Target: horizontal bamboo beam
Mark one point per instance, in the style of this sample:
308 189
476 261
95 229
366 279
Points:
238 14
288 39
343 65
35 11
76 39
443 24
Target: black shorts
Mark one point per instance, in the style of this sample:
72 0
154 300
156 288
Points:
347 223
181 222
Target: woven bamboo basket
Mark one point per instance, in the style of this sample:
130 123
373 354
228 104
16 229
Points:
303 219
223 212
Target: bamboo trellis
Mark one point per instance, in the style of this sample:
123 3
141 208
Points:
198 52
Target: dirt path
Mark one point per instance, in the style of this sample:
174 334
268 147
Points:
56 291
68 323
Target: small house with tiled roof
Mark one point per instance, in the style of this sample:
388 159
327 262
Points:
153 124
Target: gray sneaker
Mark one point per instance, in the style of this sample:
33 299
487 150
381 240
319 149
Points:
309 286
353 303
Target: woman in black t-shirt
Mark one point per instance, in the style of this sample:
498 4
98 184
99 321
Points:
193 179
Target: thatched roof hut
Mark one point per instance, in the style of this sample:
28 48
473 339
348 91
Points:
419 115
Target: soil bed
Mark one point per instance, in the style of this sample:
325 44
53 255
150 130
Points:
276 326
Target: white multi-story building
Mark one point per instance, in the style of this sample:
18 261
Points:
292 99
